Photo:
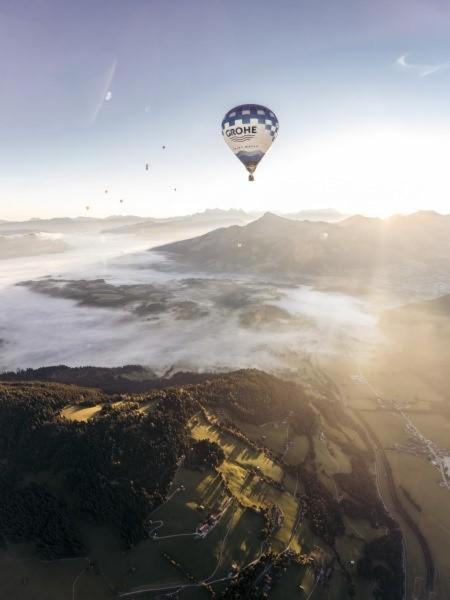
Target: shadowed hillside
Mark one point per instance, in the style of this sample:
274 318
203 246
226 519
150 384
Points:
403 248
241 475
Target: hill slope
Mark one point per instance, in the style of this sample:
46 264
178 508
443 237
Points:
236 473
402 247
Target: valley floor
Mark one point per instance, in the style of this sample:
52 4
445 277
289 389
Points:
405 408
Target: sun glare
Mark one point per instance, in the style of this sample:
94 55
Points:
370 171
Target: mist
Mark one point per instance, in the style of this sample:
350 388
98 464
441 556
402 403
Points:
204 323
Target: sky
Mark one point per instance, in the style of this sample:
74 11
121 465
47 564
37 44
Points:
91 91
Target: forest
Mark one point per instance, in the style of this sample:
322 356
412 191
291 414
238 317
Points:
116 467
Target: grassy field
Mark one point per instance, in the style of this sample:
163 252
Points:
77 413
421 480
330 457
297 450
247 486
24 578
248 476
146 564
422 389
273 435
238 453
289 585
434 426
389 427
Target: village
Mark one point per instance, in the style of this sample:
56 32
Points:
419 445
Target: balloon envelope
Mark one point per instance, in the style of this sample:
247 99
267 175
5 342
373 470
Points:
249 130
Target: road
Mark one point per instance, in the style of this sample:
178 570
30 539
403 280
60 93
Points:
174 588
414 542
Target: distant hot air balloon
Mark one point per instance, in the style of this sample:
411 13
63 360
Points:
249 130
121 201
163 147
88 207
146 166
106 191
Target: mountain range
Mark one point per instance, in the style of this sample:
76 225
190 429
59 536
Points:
185 225
397 250
67 224
316 214
150 226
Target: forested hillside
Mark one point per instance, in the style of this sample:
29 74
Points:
291 463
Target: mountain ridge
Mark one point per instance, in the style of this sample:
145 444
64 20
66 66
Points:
398 247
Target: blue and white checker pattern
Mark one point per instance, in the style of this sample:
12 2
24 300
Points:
252 114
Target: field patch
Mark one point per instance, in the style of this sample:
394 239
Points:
79 413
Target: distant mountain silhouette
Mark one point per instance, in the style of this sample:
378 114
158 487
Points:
319 214
210 218
192 224
67 225
400 247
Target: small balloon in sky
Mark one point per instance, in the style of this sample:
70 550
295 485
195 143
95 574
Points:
121 201
163 147
88 207
108 96
249 130
106 191
146 166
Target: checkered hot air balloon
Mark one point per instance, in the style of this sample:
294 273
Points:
249 130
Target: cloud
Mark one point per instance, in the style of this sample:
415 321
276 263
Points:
38 329
420 69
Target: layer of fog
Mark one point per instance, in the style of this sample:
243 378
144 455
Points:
38 330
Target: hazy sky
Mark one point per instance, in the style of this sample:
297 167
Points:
90 91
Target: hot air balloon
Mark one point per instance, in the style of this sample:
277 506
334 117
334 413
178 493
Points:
146 166
249 130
